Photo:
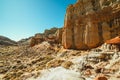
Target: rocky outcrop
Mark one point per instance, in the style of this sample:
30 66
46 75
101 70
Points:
89 23
54 35
51 31
24 41
38 38
58 35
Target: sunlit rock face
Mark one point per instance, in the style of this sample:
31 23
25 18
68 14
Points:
38 38
89 23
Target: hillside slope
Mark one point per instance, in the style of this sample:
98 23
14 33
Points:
6 41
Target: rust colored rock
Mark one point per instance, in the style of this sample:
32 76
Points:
101 78
115 40
89 23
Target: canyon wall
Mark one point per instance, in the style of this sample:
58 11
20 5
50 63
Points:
89 23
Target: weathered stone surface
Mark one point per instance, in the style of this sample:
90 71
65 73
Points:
53 35
101 78
88 23
38 38
59 35
50 31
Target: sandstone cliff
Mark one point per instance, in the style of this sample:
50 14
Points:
89 23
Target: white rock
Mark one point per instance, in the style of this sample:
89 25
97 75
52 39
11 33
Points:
61 73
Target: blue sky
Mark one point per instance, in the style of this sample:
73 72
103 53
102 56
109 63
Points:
23 18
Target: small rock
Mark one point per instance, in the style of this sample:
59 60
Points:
87 72
101 77
67 64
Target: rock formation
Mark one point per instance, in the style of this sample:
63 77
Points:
4 41
89 23
51 31
54 35
58 35
38 38
25 41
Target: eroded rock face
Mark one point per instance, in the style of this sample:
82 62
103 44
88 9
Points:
38 38
59 35
54 35
88 23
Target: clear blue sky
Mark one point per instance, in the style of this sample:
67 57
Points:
23 18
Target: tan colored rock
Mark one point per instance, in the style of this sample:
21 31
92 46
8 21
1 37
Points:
88 72
87 24
32 42
38 38
54 63
59 35
92 35
67 64
67 40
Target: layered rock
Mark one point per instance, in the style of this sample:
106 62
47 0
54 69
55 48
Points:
51 31
54 35
38 38
88 23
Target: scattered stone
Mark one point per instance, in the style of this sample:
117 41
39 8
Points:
100 77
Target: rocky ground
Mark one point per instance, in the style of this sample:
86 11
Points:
52 62
6 41
88 24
